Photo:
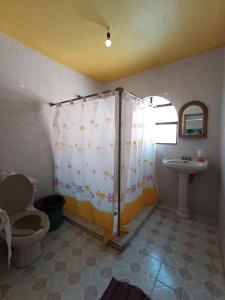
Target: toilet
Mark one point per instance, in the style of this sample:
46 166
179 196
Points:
28 226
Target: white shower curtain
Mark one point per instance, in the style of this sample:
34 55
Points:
85 155
138 156
84 143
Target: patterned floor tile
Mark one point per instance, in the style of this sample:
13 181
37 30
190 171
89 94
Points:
144 233
184 236
199 256
162 292
80 262
157 251
131 254
78 242
169 222
43 268
74 292
54 296
40 295
170 277
152 223
169 258
57 282
195 290
139 242
199 271
177 260
218 284
121 270
65 254
150 265
178 247
21 289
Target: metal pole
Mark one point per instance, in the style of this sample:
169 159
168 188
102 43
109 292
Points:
79 98
120 90
91 95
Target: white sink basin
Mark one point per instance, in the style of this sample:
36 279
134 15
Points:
185 166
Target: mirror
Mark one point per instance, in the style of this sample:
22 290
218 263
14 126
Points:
193 120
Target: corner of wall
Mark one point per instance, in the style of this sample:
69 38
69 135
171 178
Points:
221 206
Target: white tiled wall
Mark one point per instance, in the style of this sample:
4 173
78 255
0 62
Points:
221 208
194 78
27 81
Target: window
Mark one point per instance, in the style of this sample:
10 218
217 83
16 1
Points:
166 120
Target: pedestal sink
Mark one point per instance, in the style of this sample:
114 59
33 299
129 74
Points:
184 168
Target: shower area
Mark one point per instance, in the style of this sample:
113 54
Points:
104 155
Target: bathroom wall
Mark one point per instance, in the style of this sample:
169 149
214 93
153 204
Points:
27 80
221 207
194 78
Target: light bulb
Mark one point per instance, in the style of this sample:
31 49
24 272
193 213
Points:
108 43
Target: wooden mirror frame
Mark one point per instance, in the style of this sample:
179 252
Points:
205 120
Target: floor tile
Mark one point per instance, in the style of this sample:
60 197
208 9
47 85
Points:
199 272
177 260
57 282
195 290
169 258
156 251
21 289
43 268
121 270
218 286
170 277
162 292
150 265
73 293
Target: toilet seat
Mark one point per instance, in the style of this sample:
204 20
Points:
28 227
27 223
16 192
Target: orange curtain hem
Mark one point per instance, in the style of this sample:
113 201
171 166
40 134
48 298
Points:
87 211
130 210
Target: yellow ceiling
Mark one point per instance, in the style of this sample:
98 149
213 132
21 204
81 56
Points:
145 33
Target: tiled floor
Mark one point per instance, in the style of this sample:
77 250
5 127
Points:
168 259
117 242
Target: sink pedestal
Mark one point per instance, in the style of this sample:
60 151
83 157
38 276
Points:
183 207
184 168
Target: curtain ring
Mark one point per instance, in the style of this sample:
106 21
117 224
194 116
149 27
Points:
100 96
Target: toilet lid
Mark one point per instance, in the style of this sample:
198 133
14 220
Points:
16 192
28 222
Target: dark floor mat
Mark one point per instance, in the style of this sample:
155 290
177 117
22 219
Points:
118 290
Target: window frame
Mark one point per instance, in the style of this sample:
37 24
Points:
166 123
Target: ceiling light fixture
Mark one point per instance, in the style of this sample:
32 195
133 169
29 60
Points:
108 41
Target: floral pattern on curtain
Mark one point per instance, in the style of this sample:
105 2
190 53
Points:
84 143
138 156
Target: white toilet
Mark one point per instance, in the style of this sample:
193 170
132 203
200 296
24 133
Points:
28 227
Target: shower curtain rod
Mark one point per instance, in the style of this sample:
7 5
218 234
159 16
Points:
93 95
